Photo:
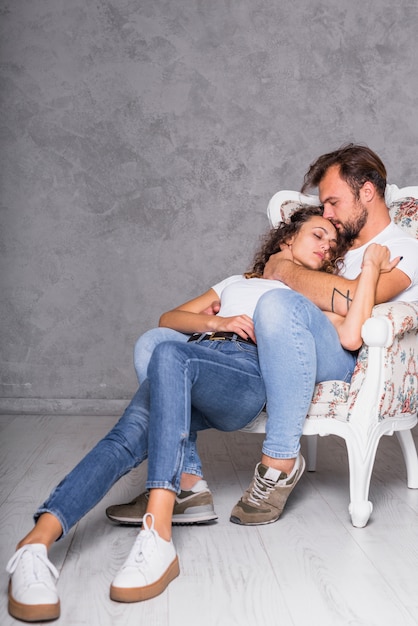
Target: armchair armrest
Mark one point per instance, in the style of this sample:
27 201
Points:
377 332
385 380
402 317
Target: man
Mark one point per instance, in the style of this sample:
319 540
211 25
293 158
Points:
351 182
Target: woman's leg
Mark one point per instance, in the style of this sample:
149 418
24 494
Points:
211 385
32 592
195 502
122 449
144 347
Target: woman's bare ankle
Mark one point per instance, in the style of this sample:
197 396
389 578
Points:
160 505
46 531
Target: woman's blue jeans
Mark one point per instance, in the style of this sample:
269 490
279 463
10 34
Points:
143 351
297 347
190 386
146 345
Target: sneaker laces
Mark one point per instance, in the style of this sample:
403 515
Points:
144 545
261 489
39 569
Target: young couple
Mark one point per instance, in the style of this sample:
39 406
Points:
231 365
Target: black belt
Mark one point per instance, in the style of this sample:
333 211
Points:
220 337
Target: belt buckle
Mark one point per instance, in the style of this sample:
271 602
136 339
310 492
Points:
213 337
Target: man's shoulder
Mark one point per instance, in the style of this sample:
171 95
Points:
399 242
394 234
394 228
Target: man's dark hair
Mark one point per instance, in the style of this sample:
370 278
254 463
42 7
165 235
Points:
357 165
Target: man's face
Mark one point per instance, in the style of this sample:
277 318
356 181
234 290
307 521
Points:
341 207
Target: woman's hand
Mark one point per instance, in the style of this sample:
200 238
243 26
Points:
242 325
213 308
379 256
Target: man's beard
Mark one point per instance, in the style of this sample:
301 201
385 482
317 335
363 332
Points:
350 230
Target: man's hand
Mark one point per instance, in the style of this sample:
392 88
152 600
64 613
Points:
272 267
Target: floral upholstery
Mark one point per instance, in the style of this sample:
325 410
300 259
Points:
336 399
330 400
404 213
400 363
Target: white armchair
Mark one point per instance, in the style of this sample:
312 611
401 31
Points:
382 397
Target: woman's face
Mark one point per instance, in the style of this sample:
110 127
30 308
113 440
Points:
312 245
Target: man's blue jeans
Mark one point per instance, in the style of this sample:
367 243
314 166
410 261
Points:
191 386
297 347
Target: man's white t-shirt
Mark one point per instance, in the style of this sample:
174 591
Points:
399 244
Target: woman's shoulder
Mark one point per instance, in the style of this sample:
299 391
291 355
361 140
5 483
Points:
227 281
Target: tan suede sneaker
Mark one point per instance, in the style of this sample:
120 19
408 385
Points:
191 507
265 498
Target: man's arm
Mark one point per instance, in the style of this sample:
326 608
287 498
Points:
330 292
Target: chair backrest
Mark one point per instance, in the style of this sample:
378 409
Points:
402 203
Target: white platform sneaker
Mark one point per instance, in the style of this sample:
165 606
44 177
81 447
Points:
151 565
33 596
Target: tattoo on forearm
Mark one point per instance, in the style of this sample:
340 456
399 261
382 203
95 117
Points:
336 292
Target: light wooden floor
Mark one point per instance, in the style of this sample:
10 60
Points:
310 568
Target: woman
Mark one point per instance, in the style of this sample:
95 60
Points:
213 381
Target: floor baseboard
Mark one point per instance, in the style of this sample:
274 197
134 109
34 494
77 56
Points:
62 406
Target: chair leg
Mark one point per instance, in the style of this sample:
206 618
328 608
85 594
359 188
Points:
360 463
409 452
311 444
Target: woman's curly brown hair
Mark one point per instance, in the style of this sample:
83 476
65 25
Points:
276 237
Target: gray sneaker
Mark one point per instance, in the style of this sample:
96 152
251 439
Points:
264 500
191 507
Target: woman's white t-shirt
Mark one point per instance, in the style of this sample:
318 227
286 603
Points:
239 295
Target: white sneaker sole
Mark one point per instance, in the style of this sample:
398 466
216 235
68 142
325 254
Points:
138 594
32 612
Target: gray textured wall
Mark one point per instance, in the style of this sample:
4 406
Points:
140 143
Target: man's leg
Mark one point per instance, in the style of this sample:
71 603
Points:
194 504
298 347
